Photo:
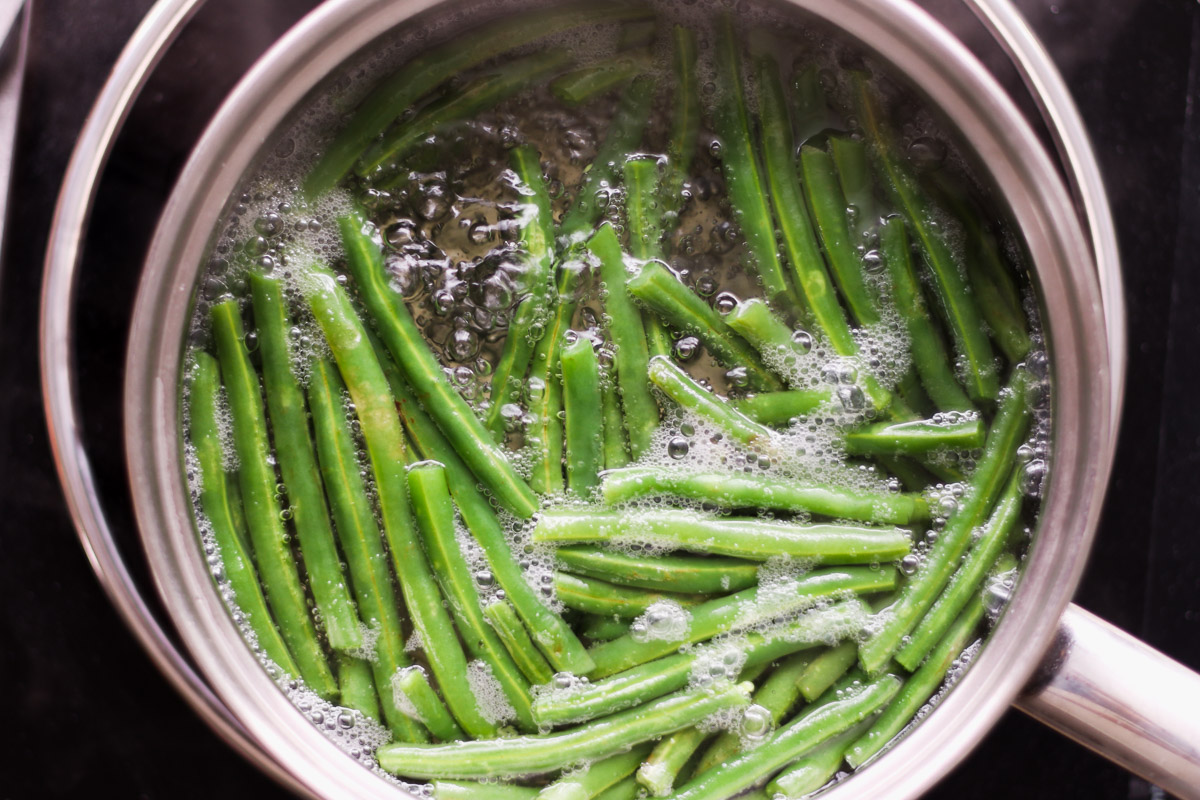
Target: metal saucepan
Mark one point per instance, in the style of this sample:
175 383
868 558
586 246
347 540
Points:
1082 687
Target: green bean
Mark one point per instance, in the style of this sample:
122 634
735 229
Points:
741 610
272 554
508 627
359 535
595 778
912 475
435 517
627 789
644 682
403 338
428 707
237 513
453 575
966 581
915 437
785 745
683 574
484 92
643 207
778 344
791 211
828 205
753 538
691 396
740 168
661 769
825 669
810 104
525 755
929 354
396 94
816 767
288 415
780 408
356 687
553 636
216 501
537 240
658 288
778 694
599 597
920 591
603 628
957 302
583 408
385 447
918 688
581 85
761 491
854 176
615 446
625 328
685 121
623 136
481 790
544 435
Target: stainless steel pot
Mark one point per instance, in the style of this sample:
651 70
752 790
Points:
1073 691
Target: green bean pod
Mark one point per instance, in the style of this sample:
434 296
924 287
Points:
544 435
915 437
615 446
272 554
659 290
288 415
670 573
356 687
685 121
780 408
425 703
522 649
526 755
762 491
215 501
583 407
597 777
817 767
662 767
400 333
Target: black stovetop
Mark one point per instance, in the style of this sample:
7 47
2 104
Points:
92 718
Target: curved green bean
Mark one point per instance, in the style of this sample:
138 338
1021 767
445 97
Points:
583 408
525 755
508 627
762 491
669 573
544 435
915 437
690 395
598 597
272 554
430 711
596 778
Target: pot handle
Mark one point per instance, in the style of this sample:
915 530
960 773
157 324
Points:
1121 698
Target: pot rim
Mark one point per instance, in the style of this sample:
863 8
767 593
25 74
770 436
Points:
926 43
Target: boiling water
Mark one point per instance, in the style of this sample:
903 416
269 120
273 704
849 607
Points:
450 218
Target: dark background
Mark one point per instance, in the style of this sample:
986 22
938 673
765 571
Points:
89 716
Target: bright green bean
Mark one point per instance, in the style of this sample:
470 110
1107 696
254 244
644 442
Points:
583 408
780 408
966 581
544 435
826 668
615 447
957 302
690 395
762 491
741 610
595 778
508 627
854 176
657 288
601 628
453 575
930 359
662 767
671 573
785 745
356 687
272 554
598 597
915 437
920 591
403 338
751 538
817 767
288 415
524 755
412 683
434 514
204 424
359 535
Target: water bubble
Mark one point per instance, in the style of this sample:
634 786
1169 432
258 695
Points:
1032 476
678 447
872 262
686 348
927 152
463 345
738 377
251 341
851 398
401 233
802 341
756 722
